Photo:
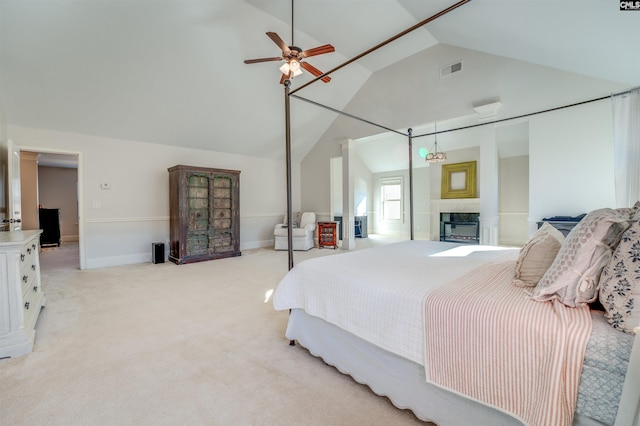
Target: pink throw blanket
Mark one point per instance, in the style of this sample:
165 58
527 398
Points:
487 340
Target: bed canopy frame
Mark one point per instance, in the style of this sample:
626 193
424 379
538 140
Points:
288 93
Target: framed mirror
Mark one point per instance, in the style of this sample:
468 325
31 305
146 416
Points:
459 180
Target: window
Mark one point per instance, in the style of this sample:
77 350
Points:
391 199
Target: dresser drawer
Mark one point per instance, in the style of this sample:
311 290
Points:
28 255
32 284
29 267
31 305
30 248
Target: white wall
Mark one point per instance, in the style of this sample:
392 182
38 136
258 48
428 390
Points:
571 161
362 186
135 212
362 182
514 201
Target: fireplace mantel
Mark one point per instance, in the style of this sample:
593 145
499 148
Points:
451 205
461 205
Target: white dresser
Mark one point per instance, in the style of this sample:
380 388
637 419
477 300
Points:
21 296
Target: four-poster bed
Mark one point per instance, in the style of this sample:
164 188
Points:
367 314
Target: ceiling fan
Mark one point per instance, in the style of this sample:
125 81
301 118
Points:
293 56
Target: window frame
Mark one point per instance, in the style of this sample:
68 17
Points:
392 181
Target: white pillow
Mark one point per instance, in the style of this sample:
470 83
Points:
620 283
573 277
537 255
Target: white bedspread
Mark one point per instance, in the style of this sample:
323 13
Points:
377 294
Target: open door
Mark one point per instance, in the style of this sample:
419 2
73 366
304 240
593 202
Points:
10 205
12 219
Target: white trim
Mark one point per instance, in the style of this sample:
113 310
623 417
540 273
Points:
129 219
167 218
80 194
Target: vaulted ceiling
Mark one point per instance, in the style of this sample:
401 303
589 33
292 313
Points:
172 72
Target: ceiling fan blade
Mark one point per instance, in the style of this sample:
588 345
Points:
320 50
277 40
284 77
315 71
253 61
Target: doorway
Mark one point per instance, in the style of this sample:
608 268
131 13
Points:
50 194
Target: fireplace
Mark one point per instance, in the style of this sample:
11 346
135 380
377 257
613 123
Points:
460 227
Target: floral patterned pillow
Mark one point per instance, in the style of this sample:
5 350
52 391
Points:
620 283
573 277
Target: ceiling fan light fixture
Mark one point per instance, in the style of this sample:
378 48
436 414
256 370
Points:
294 66
291 67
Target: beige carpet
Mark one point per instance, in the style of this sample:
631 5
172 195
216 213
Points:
160 344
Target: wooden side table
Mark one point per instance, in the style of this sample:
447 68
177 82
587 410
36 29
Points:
327 234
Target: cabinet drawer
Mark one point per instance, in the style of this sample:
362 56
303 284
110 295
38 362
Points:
31 304
32 285
29 266
28 254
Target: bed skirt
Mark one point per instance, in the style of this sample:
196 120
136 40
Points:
401 380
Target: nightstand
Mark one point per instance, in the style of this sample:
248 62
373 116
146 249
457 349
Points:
327 234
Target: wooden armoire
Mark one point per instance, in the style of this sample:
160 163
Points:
204 214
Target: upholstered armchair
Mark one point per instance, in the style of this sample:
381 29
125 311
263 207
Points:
304 226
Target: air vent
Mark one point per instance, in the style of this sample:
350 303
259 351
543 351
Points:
447 70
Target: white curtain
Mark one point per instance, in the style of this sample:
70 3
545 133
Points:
626 147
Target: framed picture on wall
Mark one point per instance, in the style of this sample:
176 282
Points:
459 180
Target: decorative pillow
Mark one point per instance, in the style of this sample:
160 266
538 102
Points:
296 219
537 255
620 283
633 212
573 276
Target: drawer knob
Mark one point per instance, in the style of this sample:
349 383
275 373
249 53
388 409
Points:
26 305
33 267
22 257
35 288
33 246
25 278
29 250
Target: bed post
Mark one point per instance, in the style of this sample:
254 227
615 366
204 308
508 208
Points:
629 408
410 136
287 133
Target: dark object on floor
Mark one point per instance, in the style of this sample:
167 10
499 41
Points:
50 225
157 252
